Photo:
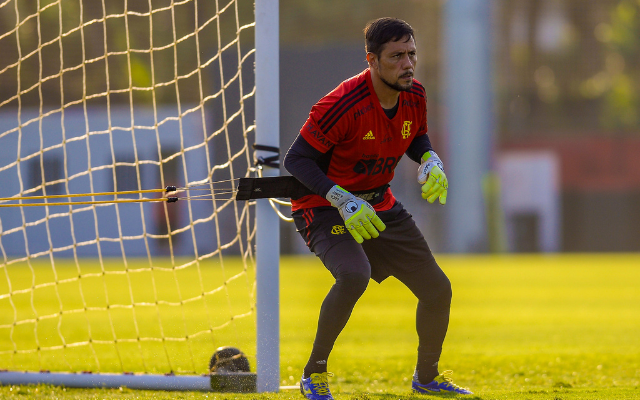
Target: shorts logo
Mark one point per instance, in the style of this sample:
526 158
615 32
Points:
369 136
337 230
406 129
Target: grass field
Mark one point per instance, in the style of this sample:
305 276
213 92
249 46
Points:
522 327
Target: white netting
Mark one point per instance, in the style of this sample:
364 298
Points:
112 96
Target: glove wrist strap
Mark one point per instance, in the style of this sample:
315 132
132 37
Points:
431 161
430 156
337 196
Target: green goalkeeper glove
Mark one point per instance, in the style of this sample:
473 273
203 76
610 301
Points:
432 178
358 215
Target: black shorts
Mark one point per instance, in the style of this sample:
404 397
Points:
400 248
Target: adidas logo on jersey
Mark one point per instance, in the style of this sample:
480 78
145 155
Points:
369 136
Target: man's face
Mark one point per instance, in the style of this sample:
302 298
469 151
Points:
396 64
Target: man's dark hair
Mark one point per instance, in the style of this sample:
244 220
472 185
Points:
381 31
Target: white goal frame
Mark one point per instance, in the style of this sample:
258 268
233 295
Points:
267 221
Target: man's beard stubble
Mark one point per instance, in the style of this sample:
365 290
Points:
397 86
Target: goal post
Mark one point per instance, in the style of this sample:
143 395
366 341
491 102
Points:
267 221
151 110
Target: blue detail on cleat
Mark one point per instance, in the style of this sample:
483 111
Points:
441 383
316 386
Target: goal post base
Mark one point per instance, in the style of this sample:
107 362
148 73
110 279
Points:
240 382
236 382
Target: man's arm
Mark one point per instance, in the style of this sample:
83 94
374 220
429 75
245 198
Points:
420 145
300 161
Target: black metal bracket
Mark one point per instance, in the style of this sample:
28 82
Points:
269 161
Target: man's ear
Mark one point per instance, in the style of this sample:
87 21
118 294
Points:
372 59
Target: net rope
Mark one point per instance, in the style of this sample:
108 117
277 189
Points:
166 71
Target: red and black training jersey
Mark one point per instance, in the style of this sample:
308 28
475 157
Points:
361 146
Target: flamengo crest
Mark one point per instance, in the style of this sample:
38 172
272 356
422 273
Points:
406 129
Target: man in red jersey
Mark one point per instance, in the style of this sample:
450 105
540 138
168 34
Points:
346 154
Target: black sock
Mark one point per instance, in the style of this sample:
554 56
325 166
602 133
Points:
427 367
317 363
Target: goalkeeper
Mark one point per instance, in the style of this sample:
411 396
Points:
346 154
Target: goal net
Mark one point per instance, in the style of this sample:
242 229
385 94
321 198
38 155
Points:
125 97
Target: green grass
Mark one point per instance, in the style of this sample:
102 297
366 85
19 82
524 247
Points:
522 327
137 304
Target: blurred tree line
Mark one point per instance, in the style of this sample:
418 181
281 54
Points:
568 67
562 66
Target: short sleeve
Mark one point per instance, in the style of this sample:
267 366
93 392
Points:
314 136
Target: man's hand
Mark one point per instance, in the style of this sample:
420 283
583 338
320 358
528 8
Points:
359 217
432 178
